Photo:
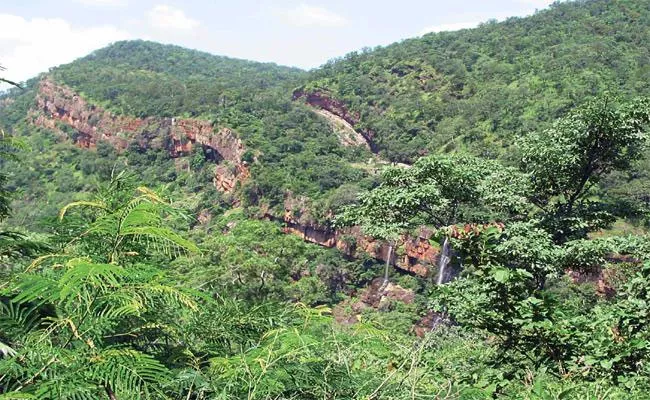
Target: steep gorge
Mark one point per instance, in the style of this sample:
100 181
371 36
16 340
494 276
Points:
69 115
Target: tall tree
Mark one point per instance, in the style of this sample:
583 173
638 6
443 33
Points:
439 191
568 160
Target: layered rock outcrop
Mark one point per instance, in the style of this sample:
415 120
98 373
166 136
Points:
417 254
58 106
322 100
413 254
346 133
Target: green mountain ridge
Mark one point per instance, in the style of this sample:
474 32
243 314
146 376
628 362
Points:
481 88
474 90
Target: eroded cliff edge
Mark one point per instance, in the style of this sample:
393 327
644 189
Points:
321 100
415 253
57 106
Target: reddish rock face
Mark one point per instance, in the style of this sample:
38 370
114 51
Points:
418 255
57 104
605 280
323 100
378 294
429 322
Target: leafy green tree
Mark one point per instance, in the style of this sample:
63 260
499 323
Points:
506 293
567 161
438 191
253 268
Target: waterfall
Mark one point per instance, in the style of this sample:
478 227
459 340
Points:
386 269
444 260
390 255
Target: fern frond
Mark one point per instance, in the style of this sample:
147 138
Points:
129 373
39 260
15 244
169 294
105 224
167 238
100 277
37 289
14 318
10 146
94 204
119 304
151 195
144 214
68 386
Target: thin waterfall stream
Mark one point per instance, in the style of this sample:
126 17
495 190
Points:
443 262
445 257
386 269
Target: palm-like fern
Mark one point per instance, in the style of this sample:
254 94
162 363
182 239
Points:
139 222
123 220
77 325
96 333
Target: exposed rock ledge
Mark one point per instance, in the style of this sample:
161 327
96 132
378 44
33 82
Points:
57 104
413 254
417 255
345 132
323 101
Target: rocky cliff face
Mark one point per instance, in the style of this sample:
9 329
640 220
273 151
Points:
417 253
322 100
58 106
413 254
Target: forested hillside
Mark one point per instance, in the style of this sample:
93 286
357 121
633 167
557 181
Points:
477 90
462 215
482 88
293 148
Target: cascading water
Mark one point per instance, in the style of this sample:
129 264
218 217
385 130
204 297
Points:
445 257
387 268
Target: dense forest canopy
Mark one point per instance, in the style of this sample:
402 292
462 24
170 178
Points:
480 198
475 90
481 88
